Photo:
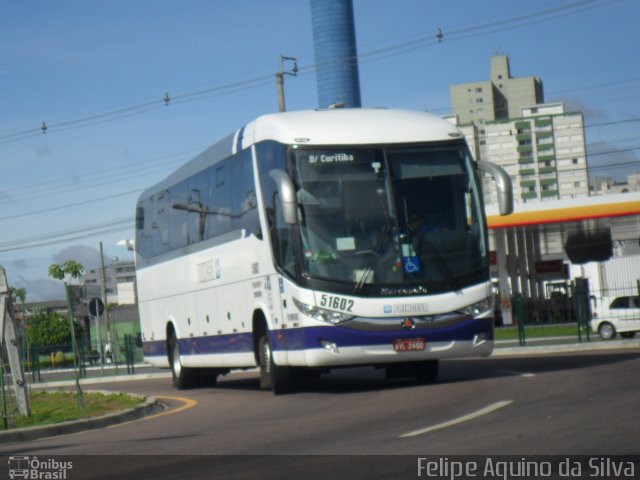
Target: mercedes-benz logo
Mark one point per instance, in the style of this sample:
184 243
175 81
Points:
408 323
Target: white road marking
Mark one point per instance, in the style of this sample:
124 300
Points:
521 374
483 411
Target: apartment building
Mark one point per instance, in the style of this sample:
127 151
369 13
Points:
120 282
543 150
505 121
500 97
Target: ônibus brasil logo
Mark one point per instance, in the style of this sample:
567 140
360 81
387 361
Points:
33 468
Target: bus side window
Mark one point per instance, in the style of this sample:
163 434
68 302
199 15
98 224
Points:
162 222
178 216
198 207
219 200
244 204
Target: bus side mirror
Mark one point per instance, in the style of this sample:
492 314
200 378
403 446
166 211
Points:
503 183
287 194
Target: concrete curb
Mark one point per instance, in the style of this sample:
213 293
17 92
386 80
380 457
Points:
565 348
148 407
60 384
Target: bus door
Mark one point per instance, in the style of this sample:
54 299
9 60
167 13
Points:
281 320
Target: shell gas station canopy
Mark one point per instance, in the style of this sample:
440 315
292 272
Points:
573 210
578 230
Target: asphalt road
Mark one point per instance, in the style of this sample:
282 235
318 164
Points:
562 404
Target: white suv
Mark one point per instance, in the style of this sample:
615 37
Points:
621 315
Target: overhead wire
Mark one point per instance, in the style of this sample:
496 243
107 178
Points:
303 70
68 236
547 14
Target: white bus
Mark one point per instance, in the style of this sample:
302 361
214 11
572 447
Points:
311 240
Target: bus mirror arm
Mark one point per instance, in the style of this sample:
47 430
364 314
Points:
287 194
503 184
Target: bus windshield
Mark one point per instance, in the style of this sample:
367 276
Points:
390 216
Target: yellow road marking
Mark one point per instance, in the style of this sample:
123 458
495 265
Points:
187 404
455 421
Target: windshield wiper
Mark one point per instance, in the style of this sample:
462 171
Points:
382 236
380 240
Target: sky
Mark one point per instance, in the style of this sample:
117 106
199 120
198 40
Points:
95 74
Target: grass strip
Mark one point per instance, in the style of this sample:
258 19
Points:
54 407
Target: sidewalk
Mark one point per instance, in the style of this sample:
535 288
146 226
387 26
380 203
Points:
547 345
61 378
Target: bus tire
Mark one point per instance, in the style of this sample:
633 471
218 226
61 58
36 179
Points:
183 377
272 377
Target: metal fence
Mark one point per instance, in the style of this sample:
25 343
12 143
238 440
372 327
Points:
122 351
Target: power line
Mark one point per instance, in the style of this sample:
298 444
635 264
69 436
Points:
60 184
543 15
69 237
58 234
92 183
616 122
69 205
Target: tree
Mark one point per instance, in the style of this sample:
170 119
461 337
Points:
67 272
18 295
49 329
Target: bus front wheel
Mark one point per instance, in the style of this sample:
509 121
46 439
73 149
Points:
272 377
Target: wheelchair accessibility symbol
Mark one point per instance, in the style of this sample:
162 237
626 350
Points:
411 264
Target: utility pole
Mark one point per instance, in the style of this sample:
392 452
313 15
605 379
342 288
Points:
9 338
104 300
280 79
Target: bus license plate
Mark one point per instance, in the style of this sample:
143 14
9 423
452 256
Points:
409 344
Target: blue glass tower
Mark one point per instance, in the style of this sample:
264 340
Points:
336 56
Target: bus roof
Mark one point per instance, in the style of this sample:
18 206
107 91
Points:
353 126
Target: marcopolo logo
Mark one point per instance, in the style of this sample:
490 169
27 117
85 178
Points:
33 468
407 309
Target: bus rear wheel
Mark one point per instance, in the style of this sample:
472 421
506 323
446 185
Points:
183 377
272 377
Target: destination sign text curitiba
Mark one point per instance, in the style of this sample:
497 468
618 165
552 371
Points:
331 158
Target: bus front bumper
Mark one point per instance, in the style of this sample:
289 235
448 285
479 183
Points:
334 346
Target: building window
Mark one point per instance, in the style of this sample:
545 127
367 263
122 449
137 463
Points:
478 89
479 100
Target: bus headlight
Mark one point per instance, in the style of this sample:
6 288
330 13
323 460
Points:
327 316
479 309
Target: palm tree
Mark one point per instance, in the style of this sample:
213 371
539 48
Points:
66 272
